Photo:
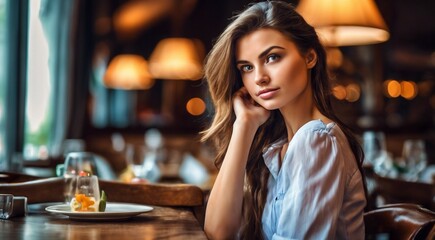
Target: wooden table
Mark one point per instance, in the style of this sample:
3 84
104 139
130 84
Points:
160 223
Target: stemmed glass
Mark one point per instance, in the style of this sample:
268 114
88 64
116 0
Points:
414 154
75 164
135 155
143 163
375 151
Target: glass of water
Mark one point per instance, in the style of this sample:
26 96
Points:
87 194
6 205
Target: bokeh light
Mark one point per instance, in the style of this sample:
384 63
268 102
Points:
353 92
339 92
408 89
405 89
392 88
195 106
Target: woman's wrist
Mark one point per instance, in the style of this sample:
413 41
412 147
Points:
245 125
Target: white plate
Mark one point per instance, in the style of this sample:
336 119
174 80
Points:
113 211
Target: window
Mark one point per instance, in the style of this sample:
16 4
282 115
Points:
35 80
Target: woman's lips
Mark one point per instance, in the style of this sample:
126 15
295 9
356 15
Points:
267 93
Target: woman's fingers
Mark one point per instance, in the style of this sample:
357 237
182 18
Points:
242 92
246 108
244 95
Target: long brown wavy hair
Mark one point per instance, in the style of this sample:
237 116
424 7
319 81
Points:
224 80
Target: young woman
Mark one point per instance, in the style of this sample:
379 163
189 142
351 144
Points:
289 168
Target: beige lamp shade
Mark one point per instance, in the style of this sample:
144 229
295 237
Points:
345 22
177 59
128 71
133 16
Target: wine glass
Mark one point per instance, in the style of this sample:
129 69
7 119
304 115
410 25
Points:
414 154
142 161
374 145
376 153
135 155
6 205
75 164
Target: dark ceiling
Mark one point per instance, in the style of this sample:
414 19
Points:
412 30
412 23
411 46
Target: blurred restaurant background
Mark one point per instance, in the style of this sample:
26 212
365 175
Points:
122 79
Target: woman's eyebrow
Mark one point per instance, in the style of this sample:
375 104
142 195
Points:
241 62
265 52
262 54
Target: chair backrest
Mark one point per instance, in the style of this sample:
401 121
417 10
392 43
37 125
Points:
177 195
401 191
14 177
51 189
36 191
400 221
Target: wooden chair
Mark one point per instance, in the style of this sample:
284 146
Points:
400 221
170 195
401 191
14 177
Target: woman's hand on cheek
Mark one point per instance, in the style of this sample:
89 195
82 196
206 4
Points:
246 109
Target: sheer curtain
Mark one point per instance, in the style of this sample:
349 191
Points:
55 17
66 24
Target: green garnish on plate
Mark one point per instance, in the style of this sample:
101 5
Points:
103 200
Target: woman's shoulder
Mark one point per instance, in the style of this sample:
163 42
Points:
324 141
318 137
318 128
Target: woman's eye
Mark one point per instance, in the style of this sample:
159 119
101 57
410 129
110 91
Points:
272 58
245 68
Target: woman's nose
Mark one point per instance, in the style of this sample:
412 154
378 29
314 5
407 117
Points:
261 77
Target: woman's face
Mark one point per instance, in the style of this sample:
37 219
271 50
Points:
272 69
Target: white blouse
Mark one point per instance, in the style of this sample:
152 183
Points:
318 192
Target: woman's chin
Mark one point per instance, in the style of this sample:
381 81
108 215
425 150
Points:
270 106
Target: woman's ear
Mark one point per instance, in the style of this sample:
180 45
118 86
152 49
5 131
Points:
311 58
